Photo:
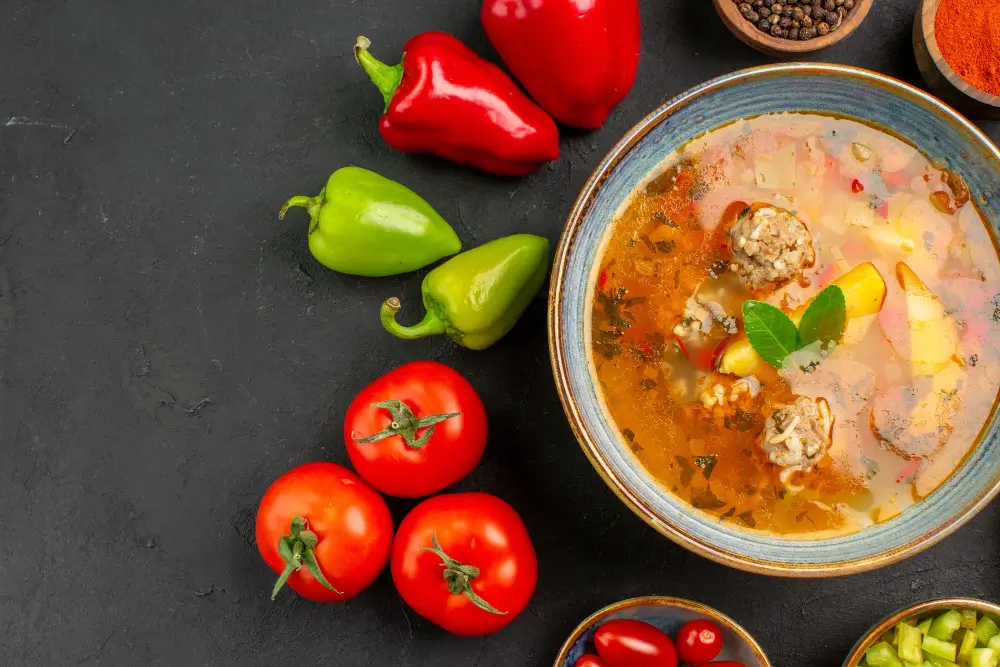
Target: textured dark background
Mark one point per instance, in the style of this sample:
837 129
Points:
144 150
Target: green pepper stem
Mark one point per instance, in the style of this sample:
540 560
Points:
431 325
310 204
385 77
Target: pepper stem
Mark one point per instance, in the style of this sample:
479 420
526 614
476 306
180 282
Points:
385 77
310 204
404 424
297 550
431 325
459 577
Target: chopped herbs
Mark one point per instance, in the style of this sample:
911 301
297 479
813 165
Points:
662 218
648 384
746 518
743 421
629 434
612 303
665 246
707 500
707 464
687 470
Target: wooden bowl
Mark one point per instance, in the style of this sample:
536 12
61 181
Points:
779 47
939 75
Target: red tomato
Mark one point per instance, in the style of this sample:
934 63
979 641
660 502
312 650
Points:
416 430
699 641
589 660
338 525
628 643
482 547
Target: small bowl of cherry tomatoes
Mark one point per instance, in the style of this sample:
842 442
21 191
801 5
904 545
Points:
660 631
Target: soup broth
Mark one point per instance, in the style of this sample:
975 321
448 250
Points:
829 443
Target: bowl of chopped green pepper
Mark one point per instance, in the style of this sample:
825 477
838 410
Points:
936 633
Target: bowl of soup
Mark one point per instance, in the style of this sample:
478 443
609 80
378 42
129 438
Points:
771 316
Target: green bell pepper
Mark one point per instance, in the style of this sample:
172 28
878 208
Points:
476 297
366 225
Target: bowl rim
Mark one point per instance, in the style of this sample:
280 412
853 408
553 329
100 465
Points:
751 36
928 10
557 356
663 601
874 632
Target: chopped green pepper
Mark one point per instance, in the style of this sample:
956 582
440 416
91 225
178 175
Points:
965 646
366 225
986 630
994 643
969 618
983 657
925 625
882 655
909 638
945 625
478 296
939 648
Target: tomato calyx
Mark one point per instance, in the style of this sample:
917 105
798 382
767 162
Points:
404 424
296 549
459 577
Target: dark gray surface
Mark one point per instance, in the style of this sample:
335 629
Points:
142 270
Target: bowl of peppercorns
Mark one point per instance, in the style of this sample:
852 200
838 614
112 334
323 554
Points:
788 28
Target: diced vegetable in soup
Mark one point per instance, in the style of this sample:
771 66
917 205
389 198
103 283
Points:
791 324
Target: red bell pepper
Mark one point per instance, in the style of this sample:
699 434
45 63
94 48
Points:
577 59
445 100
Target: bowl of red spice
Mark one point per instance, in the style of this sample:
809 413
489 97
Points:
957 45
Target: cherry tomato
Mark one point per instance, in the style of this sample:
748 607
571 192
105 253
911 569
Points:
628 643
465 562
416 430
589 660
699 641
320 522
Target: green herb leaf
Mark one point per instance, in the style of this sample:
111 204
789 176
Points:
666 246
824 319
771 332
707 464
648 384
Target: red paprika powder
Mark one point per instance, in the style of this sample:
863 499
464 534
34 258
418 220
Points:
968 34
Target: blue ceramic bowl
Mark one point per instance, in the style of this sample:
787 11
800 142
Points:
833 89
933 607
668 614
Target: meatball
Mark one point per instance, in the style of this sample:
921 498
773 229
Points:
797 436
771 247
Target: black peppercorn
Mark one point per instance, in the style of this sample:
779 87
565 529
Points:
774 19
793 33
745 9
849 5
765 12
764 25
830 17
838 2
757 4
822 28
797 13
776 30
785 22
806 22
807 33
829 5
796 24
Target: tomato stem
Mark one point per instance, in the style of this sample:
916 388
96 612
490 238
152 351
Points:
404 424
297 550
459 577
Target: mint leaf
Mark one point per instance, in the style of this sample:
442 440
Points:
771 332
824 319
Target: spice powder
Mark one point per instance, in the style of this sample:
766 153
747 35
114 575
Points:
968 34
